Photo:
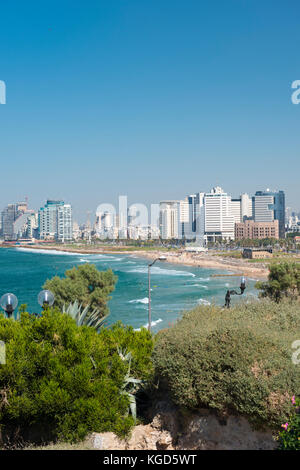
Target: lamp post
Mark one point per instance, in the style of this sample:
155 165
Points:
46 298
229 293
9 303
161 258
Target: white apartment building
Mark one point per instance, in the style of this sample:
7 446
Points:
218 219
55 221
246 207
32 224
64 223
169 219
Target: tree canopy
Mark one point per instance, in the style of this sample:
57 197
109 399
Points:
283 281
84 283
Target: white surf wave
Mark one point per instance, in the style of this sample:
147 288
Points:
153 323
48 252
145 300
161 271
203 302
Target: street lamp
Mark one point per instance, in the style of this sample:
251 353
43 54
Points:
45 298
161 258
229 293
9 303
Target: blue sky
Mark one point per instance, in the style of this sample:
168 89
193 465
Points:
150 98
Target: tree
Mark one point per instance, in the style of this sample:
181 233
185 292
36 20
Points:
283 281
86 284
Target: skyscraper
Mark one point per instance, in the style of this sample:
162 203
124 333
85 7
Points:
64 223
169 219
9 216
55 221
268 206
236 210
219 221
246 207
195 229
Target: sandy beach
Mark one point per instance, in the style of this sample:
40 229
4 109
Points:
201 260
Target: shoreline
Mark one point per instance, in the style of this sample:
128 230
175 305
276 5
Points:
200 260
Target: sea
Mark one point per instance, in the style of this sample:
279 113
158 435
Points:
175 288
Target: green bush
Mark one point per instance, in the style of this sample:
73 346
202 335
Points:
67 379
233 361
84 283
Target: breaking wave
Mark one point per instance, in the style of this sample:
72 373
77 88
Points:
145 300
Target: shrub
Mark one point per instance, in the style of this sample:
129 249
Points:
233 361
84 283
289 438
67 380
283 281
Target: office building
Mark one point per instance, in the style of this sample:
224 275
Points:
236 210
218 218
268 206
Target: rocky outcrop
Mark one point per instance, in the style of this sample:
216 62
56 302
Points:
204 430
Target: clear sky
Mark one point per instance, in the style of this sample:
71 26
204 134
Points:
150 98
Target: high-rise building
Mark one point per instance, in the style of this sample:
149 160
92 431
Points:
32 225
268 206
9 216
55 221
23 225
195 226
236 210
184 223
169 219
246 207
64 223
219 221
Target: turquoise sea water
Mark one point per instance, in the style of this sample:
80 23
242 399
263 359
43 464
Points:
175 288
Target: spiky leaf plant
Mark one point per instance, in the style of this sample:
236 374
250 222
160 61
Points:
85 317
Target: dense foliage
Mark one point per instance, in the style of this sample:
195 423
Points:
233 361
68 380
283 281
84 283
289 438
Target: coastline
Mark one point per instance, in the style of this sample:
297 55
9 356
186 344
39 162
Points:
201 260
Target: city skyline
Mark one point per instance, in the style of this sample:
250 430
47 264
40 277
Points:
201 217
148 98
87 213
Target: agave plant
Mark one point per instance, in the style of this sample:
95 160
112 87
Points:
130 384
85 317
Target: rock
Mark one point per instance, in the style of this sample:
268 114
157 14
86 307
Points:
169 430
